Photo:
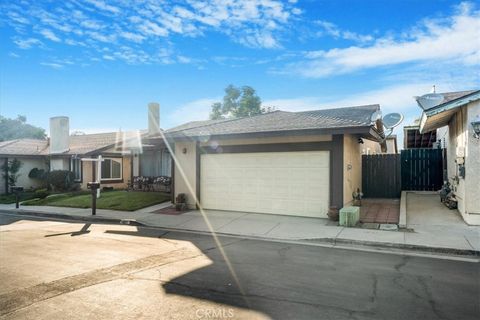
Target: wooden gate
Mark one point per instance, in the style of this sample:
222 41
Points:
386 175
381 176
422 169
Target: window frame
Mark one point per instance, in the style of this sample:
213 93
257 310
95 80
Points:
80 167
111 159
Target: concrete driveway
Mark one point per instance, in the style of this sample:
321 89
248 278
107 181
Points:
426 215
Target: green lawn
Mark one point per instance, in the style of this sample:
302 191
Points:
10 198
114 200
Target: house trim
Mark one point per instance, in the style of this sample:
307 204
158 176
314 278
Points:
368 130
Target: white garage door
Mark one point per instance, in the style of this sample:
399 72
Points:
290 183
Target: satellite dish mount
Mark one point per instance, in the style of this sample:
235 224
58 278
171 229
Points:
390 121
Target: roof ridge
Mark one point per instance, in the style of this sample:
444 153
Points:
9 142
341 118
473 90
336 108
229 120
337 118
193 121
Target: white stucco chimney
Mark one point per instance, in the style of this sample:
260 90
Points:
153 119
59 135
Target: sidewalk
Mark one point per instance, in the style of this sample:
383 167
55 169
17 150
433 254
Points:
464 240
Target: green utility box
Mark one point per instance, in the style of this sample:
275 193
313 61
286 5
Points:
349 216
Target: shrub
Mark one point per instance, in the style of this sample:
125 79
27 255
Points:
10 171
41 193
38 174
61 180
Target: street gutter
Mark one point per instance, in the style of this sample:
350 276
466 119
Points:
332 242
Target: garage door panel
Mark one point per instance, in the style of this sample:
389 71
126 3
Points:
293 183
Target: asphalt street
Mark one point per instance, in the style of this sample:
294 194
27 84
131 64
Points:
64 270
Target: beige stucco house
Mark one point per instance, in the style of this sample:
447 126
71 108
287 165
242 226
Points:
124 154
289 163
454 115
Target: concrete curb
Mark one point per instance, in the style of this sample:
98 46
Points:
409 247
330 241
97 219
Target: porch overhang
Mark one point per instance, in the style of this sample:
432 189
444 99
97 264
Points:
440 115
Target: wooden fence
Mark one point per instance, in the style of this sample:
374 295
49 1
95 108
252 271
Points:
422 169
381 176
386 175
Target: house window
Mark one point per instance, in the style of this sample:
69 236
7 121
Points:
76 168
112 169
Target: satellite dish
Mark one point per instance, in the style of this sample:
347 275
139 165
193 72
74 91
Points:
430 100
392 120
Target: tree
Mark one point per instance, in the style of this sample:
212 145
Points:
19 128
10 171
237 102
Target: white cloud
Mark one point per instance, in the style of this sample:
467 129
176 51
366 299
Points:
91 24
295 104
15 16
151 28
331 29
48 34
52 65
132 36
453 38
103 6
101 37
259 39
183 59
27 43
192 111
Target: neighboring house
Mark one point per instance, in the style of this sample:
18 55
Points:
292 163
413 139
455 112
31 154
124 154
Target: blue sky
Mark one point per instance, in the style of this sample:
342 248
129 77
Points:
101 62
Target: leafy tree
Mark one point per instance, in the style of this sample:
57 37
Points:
10 171
19 128
238 102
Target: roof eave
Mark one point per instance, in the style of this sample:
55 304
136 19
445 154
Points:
429 121
264 134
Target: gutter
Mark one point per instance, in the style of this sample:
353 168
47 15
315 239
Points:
264 134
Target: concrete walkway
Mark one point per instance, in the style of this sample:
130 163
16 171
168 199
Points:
437 226
277 227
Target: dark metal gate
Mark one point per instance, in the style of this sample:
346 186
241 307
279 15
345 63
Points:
381 176
422 169
386 175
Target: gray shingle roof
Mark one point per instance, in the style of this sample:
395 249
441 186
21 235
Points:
79 144
23 147
359 116
451 96
195 124
82 144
